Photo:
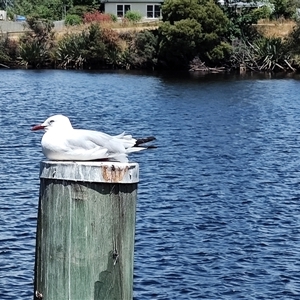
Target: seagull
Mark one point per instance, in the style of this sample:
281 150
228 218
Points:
62 142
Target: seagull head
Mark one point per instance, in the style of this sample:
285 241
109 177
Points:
59 122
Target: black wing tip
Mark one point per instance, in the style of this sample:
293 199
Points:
144 141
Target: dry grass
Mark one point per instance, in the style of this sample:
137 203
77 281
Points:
279 28
112 25
117 26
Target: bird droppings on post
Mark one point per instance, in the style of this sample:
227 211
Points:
114 174
91 171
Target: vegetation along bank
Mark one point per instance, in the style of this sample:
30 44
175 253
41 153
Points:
191 35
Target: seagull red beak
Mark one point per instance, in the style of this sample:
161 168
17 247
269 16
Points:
37 127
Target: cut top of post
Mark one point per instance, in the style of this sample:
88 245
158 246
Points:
90 171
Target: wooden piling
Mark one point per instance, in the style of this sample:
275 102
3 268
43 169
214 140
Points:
85 231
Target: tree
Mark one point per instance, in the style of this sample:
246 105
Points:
141 49
36 45
284 8
39 9
180 42
176 10
193 28
292 43
241 22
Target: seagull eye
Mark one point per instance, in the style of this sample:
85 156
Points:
51 121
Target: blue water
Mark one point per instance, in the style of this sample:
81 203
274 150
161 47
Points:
219 201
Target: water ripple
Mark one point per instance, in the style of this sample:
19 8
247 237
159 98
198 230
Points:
218 212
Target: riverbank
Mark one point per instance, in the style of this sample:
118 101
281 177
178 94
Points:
126 45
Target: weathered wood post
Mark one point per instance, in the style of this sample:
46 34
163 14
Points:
85 231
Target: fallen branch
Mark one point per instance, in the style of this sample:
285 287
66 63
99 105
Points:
293 69
4 66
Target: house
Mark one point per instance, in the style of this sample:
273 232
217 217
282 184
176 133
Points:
149 9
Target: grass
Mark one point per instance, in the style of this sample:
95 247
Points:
278 28
118 26
275 28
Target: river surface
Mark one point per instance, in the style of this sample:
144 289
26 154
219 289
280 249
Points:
218 212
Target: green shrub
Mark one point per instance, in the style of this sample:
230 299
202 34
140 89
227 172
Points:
133 16
284 8
113 17
70 49
33 54
141 51
293 40
8 50
270 53
36 45
261 13
73 20
79 10
95 47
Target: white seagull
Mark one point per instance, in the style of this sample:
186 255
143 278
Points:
62 142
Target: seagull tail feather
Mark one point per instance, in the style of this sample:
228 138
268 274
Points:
144 140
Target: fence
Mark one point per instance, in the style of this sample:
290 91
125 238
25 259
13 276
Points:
11 26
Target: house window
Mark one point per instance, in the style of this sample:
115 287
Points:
122 9
153 11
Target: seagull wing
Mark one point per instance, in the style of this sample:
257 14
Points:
100 139
81 144
71 145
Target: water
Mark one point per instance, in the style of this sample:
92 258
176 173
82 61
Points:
218 206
